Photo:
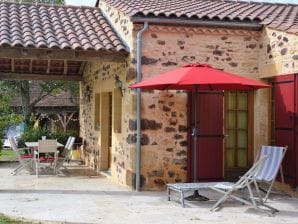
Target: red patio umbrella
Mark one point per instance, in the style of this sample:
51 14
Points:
203 77
199 77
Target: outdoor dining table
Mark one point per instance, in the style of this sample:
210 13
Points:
34 145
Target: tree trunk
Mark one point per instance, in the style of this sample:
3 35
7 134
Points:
64 120
25 99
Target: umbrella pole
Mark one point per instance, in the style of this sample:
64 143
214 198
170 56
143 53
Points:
195 136
196 196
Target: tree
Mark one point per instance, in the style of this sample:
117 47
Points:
21 89
7 117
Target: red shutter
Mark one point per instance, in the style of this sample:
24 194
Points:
210 139
285 112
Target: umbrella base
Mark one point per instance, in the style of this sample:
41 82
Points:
196 197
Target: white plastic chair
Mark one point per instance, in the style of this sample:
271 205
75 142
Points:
247 181
25 160
271 167
64 156
48 146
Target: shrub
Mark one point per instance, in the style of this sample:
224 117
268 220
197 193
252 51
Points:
35 134
62 136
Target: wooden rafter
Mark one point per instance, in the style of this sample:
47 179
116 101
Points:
82 67
48 67
65 69
12 65
30 66
22 76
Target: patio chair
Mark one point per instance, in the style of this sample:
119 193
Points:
247 181
47 154
64 155
271 167
25 159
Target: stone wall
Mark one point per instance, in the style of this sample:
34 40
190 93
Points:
164 113
279 55
99 78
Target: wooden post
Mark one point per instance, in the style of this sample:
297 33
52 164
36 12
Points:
64 120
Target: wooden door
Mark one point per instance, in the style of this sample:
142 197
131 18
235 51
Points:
210 136
237 142
110 103
285 123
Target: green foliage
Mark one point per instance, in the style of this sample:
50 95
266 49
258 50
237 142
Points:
7 117
62 136
5 220
21 90
55 87
35 134
7 155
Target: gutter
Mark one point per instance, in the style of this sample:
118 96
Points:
252 25
139 78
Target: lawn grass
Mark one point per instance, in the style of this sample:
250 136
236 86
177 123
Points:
6 220
7 155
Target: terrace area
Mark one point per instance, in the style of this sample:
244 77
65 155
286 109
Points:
91 198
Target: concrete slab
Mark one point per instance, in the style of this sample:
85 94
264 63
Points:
83 196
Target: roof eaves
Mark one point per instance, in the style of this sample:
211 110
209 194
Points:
127 49
246 24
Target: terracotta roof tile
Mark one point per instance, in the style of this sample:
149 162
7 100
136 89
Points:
278 16
61 27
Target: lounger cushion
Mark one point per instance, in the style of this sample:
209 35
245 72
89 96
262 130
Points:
26 156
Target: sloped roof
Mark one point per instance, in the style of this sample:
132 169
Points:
277 16
56 27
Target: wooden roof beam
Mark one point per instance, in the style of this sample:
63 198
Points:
22 76
82 67
58 54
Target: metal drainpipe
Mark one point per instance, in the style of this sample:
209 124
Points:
139 78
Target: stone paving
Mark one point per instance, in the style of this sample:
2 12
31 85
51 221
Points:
82 196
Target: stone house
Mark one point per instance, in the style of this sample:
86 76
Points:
107 46
251 39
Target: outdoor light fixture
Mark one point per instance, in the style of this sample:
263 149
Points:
87 93
118 84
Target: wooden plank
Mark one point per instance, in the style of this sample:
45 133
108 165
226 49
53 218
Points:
65 67
57 54
12 65
48 67
65 119
22 76
82 67
30 66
